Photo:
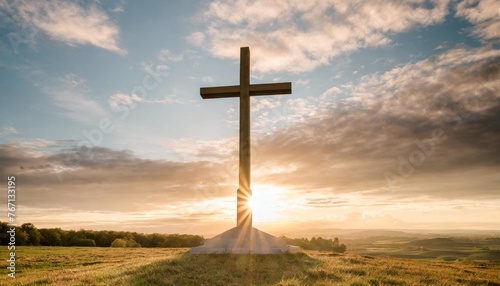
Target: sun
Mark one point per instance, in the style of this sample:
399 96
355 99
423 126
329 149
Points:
263 203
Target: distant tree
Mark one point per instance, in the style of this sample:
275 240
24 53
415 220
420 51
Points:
21 237
317 244
195 240
50 237
67 237
132 243
34 236
124 242
341 248
28 234
337 247
4 237
119 242
77 241
103 238
313 243
141 238
156 240
86 234
87 242
335 241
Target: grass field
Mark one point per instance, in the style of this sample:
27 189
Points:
160 266
449 249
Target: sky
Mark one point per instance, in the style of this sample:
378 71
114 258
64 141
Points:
393 123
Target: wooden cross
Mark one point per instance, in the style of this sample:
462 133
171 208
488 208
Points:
244 91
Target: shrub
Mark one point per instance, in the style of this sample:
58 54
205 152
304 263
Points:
83 242
119 242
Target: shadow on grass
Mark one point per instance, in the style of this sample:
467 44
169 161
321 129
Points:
227 269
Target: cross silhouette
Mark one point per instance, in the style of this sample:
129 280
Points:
244 91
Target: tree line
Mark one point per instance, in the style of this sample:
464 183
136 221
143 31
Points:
28 234
317 244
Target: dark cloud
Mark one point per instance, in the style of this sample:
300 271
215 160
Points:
433 119
103 179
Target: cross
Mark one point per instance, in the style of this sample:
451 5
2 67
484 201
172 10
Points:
244 91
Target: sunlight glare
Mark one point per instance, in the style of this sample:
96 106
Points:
264 203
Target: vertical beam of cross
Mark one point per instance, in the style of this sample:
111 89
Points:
244 213
244 91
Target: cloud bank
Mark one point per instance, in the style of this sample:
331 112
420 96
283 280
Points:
299 36
427 129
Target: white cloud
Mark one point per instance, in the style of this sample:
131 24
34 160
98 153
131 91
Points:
196 38
7 130
35 144
483 15
332 91
119 7
301 81
264 103
169 99
167 56
35 148
207 79
119 101
69 22
302 35
70 93
187 149
152 69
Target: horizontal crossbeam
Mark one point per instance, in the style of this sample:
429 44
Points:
255 89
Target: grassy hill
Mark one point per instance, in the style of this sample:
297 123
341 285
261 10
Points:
435 242
160 266
458 248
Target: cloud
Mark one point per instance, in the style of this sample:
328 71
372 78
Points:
167 56
264 103
207 79
299 36
69 22
196 38
483 15
302 81
35 145
169 99
67 179
8 129
70 93
190 149
120 101
427 129
118 8
160 70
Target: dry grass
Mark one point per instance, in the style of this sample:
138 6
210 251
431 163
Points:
111 266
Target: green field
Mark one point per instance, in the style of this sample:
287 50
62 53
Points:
448 249
161 266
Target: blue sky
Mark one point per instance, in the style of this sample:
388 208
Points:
393 121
